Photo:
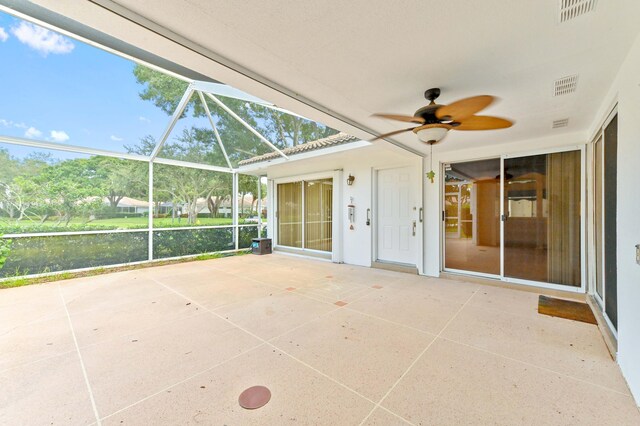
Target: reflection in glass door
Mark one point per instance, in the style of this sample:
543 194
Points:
290 214
471 216
543 223
318 204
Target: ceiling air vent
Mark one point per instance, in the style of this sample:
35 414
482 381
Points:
560 123
570 9
565 85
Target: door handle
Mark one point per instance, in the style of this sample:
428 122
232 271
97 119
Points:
368 217
421 215
414 228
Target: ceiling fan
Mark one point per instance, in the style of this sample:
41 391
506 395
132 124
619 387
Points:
434 121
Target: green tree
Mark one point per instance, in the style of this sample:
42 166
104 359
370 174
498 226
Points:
162 89
20 197
220 194
70 188
115 178
184 185
247 185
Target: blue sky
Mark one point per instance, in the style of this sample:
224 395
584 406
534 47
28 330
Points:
58 89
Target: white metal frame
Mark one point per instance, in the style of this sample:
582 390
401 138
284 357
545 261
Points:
151 160
202 88
583 223
599 240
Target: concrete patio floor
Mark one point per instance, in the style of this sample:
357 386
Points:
178 344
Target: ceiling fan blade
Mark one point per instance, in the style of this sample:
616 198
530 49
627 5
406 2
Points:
464 108
398 117
386 135
483 122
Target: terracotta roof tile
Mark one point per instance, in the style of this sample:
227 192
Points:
337 139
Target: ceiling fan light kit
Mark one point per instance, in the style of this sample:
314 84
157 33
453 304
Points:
432 133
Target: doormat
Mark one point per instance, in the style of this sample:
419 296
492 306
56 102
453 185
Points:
568 309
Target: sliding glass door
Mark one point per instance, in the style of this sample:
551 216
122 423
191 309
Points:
542 195
519 221
305 214
472 216
604 217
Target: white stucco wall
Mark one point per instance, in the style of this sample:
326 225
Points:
626 91
357 242
362 163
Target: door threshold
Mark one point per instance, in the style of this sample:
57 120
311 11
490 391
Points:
396 267
302 252
497 282
610 339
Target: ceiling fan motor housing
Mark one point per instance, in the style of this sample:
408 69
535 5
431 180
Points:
428 113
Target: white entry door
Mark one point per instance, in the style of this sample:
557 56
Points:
397 215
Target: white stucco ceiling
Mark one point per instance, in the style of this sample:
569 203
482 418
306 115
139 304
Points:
362 57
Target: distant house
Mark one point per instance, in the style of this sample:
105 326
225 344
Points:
131 205
134 206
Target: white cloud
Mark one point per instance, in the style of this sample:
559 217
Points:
144 119
32 132
3 35
116 139
59 136
9 123
41 39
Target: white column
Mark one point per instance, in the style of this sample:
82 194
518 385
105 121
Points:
259 206
234 207
150 223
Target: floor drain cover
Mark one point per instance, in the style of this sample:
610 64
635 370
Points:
254 397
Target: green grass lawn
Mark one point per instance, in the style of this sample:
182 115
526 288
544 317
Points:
117 223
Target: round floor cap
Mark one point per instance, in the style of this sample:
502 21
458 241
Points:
254 397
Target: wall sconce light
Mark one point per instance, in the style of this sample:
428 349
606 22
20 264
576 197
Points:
350 180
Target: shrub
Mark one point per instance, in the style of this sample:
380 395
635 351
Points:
5 249
41 254
37 255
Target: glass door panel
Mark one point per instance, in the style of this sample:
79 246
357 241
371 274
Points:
471 216
290 214
610 176
542 196
318 204
598 217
